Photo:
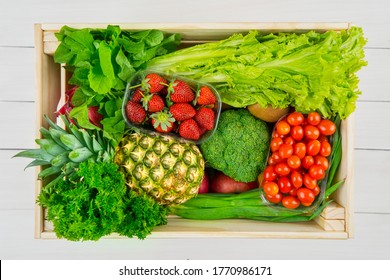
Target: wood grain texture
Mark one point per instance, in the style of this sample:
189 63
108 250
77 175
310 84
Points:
333 212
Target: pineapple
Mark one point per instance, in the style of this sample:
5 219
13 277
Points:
168 170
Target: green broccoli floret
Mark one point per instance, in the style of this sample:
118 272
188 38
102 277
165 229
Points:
239 146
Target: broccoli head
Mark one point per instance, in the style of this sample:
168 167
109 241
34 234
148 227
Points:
239 146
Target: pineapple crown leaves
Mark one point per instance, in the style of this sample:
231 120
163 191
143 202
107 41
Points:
164 119
63 149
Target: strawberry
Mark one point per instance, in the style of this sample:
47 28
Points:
138 95
153 103
205 118
153 83
180 92
135 113
202 130
182 111
189 129
162 121
205 96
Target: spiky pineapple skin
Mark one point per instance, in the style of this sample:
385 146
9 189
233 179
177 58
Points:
168 170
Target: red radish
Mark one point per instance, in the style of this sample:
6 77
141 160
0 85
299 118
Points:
222 183
94 116
205 185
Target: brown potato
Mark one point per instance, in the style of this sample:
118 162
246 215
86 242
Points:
268 114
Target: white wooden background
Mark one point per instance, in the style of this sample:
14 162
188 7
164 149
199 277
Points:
372 145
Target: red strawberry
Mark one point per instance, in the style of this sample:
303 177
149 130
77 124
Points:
205 118
182 111
153 83
189 129
202 130
135 113
163 121
153 103
138 95
180 92
205 96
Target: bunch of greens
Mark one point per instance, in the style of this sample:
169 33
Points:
311 71
101 62
99 203
249 205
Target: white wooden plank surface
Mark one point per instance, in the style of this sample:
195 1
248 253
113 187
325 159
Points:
18 25
372 154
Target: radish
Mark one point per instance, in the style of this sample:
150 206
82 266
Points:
205 185
94 116
222 183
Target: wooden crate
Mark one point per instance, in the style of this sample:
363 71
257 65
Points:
335 222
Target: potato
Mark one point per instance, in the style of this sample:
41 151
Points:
267 114
222 183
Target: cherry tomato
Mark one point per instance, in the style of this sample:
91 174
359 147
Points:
275 143
269 174
290 202
271 188
306 204
289 140
294 162
275 134
316 190
282 169
327 127
274 158
296 179
284 184
305 195
307 161
313 118
313 147
300 150
321 161
277 198
317 172
297 133
286 150
295 118
326 149
309 182
293 192
282 127
322 138
311 132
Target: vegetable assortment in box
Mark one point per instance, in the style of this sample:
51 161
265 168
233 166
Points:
148 130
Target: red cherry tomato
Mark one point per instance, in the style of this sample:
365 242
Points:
275 143
293 192
282 169
326 149
295 118
300 150
286 150
271 188
326 127
282 127
322 138
294 162
296 179
277 198
290 202
274 158
307 161
305 195
314 118
269 174
317 172
289 140
313 147
321 161
309 182
316 190
311 132
284 184
297 133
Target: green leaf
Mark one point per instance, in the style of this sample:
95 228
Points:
35 154
71 141
96 146
37 162
154 38
60 160
80 154
81 96
63 54
50 146
80 77
80 40
105 60
81 115
98 81
49 171
126 70
87 139
140 35
130 46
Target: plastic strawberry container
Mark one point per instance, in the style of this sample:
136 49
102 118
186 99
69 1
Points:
147 127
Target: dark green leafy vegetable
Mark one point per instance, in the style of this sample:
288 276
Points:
311 71
99 203
101 62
